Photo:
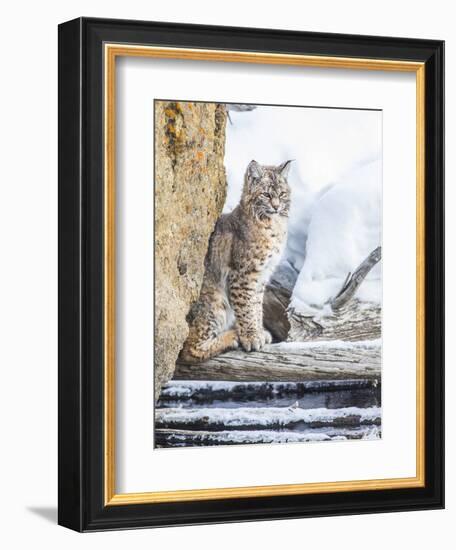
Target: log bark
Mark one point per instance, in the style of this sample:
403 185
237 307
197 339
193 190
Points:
201 438
277 297
204 391
269 418
276 363
355 321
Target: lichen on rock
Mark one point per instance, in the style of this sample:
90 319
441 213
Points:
190 191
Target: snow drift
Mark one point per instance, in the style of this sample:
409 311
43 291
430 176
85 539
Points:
336 179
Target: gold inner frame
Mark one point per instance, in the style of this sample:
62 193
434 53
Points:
111 52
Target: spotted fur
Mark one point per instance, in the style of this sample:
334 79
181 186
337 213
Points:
244 249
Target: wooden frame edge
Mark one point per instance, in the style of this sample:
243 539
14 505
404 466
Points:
111 51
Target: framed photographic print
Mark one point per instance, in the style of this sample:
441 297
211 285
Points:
251 315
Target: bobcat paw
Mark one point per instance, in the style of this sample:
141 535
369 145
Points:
267 337
253 342
230 340
234 343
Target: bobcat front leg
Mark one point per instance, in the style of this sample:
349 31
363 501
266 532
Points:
259 305
247 303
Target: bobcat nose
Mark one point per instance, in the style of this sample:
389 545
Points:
275 203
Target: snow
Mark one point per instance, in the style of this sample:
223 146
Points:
345 227
264 416
335 216
333 344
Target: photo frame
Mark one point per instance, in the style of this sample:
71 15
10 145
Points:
90 199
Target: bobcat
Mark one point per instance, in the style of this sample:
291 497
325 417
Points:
244 249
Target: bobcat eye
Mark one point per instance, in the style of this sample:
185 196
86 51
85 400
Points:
267 195
282 195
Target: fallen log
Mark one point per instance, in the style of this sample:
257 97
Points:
261 418
194 438
349 318
355 321
291 362
202 391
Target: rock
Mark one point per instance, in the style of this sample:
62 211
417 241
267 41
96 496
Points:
190 191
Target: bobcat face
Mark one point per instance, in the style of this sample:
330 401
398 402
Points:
266 190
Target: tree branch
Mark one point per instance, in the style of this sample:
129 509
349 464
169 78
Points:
354 280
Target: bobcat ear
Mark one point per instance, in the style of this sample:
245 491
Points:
284 168
254 170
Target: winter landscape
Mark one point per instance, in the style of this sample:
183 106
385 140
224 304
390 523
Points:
319 379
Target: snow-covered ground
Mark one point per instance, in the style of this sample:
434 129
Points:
336 182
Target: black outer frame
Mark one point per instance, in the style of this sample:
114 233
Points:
81 453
